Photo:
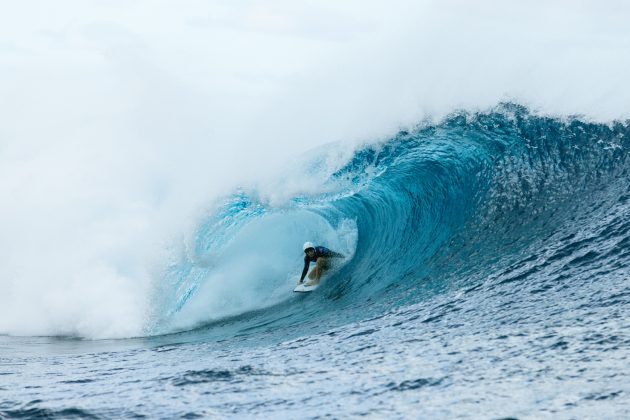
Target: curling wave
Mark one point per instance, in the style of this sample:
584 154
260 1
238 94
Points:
488 198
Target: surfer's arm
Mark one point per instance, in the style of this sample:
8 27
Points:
306 264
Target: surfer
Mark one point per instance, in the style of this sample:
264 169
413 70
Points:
320 255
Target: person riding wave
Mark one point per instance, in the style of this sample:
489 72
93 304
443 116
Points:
322 257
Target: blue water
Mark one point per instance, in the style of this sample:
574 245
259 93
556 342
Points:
487 277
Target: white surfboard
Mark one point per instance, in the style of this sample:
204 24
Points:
303 288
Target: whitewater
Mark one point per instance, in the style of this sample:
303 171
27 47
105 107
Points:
161 165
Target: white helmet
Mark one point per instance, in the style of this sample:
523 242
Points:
308 245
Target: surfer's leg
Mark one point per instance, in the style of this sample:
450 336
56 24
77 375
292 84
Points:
322 265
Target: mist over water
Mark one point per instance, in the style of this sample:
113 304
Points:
124 122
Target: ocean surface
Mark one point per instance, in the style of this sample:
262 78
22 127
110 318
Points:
486 276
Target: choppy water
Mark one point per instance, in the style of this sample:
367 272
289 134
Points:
487 277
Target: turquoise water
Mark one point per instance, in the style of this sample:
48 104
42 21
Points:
487 276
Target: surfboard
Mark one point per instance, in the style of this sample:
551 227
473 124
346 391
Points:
303 288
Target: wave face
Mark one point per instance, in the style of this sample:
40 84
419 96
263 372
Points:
489 198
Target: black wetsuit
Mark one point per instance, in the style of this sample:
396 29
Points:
320 251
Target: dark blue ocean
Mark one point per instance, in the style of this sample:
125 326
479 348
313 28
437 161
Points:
487 276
